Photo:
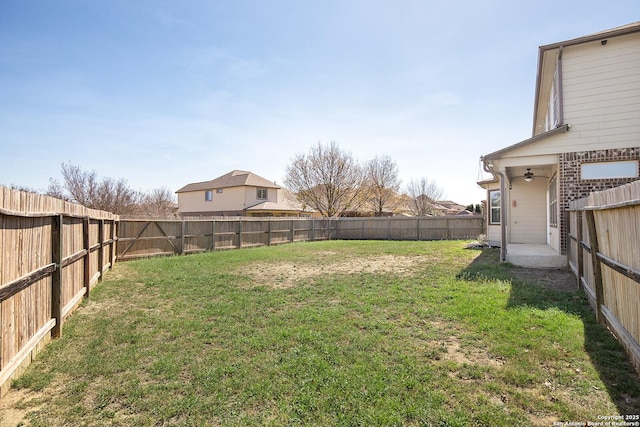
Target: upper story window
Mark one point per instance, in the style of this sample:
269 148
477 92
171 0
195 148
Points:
494 207
609 170
261 193
208 195
553 118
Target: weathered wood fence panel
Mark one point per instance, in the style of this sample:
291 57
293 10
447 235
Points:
604 253
143 238
410 228
51 253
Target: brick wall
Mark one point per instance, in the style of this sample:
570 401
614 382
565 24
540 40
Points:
572 187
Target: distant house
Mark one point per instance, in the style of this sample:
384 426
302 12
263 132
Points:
237 193
586 137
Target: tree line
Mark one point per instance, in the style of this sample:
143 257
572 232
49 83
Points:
107 194
332 182
326 179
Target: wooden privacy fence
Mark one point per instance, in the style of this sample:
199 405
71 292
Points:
51 254
144 238
604 254
410 228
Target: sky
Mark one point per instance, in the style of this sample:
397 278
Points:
165 93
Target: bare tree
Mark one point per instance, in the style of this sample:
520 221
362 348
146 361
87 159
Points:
328 180
382 183
86 189
159 202
424 194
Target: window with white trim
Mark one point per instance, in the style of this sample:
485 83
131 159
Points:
261 194
494 207
208 195
553 202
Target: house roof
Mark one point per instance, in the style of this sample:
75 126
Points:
271 206
544 135
617 31
235 178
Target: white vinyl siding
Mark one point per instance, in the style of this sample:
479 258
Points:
601 99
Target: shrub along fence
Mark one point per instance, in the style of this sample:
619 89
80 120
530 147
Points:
604 254
144 237
51 254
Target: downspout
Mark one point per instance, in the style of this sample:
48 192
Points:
503 211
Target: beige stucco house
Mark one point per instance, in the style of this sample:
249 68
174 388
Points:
237 193
586 137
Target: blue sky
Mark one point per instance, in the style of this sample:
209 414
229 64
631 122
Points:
164 93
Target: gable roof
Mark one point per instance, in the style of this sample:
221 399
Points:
499 153
235 178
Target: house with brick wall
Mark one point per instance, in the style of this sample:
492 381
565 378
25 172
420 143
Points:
585 138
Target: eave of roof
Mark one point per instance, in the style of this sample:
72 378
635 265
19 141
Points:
272 206
497 154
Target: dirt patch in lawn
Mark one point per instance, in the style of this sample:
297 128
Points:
552 278
15 406
287 274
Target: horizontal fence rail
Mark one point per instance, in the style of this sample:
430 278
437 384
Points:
51 254
604 254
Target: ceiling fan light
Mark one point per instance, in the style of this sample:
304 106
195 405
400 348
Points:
528 176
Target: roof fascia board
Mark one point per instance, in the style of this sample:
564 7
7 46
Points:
497 154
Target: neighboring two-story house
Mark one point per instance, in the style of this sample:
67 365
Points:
237 193
586 137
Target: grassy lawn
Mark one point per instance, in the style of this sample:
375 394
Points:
329 333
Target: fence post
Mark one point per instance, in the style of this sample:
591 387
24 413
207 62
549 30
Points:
293 232
213 235
86 222
101 249
239 233
417 228
269 232
56 278
580 251
448 226
313 229
183 228
597 268
389 228
112 247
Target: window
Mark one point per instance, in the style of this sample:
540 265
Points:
609 170
219 191
553 118
553 202
208 196
494 207
262 193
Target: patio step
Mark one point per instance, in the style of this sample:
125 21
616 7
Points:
535 256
